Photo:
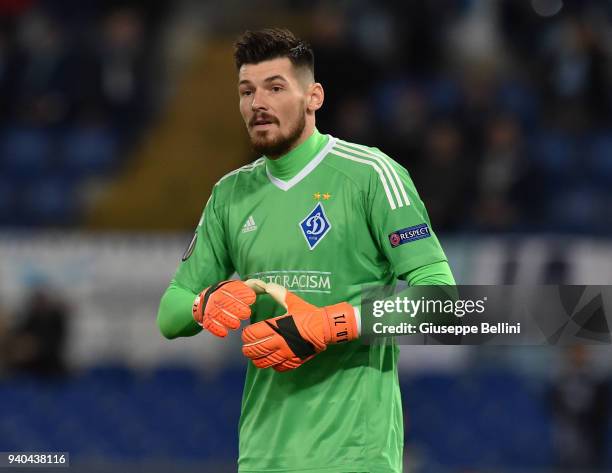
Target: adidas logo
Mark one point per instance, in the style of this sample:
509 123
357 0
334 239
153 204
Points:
249 225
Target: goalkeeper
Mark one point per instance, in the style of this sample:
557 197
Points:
321 217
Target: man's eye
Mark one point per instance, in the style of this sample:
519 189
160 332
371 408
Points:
277 88
245 93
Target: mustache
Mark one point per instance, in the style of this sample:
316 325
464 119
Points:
262 117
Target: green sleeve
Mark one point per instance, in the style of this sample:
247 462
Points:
174 317
205 262
433 274
399 222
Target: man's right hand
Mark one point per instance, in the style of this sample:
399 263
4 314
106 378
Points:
223 306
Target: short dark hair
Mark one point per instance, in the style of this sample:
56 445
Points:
253 47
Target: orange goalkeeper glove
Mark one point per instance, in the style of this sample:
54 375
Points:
288 341
223 306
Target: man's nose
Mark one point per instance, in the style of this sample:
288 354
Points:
258 102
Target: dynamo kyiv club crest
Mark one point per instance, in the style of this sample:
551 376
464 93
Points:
315 226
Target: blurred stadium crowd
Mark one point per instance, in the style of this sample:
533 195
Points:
501 111
76 83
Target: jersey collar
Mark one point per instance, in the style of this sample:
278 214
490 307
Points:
286 171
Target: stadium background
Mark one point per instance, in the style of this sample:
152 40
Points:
116 118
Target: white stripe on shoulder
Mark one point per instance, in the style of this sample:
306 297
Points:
390 167
383 164
376 167
246 167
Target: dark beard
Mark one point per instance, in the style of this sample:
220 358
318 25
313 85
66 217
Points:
283 144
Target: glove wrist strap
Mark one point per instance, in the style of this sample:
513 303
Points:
341 323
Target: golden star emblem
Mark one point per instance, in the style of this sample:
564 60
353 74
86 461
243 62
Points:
317 196
326 196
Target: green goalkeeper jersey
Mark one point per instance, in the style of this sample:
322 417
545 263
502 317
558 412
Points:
323 220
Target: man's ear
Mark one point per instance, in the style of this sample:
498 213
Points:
316 95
